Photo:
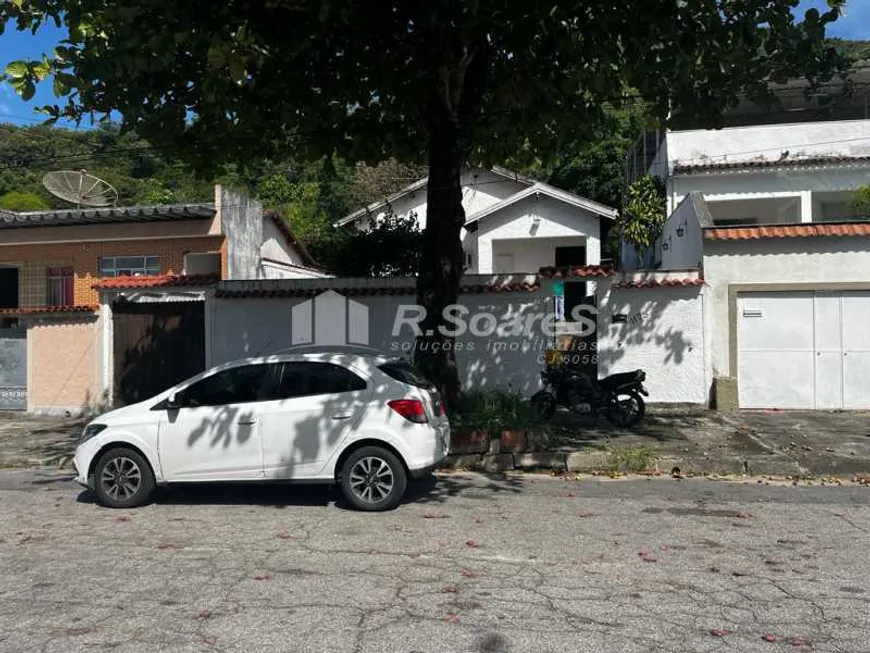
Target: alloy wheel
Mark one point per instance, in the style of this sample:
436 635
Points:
371 479
121 478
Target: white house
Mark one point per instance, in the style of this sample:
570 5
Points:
513 224
762 211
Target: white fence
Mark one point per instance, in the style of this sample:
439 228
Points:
662 329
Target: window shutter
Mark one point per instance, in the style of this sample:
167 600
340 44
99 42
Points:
68 287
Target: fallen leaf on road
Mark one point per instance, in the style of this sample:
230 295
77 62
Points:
471 543
571 495
204 614
715 570
260 577
450 590
122 518
468 573
770 638
715 632
646 557
665 547
799 641
478 520
284 535
211 640
414 555
431 515
452 618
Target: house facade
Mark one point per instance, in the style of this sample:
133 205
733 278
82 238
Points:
513 224
55 322
762 209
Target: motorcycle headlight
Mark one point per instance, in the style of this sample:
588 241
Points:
90 431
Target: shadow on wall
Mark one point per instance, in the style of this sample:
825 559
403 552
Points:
155 347
638 337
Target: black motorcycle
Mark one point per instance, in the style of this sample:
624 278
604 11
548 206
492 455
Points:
617 397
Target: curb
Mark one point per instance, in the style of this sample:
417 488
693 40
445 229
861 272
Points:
596 462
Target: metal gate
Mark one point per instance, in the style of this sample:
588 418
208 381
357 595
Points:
13 369
155 346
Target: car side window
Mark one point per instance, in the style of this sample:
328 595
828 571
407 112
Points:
302 379
237 385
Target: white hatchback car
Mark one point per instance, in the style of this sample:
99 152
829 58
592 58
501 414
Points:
363 420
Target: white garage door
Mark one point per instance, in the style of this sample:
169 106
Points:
804 350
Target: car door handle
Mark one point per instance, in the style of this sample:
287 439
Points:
341 416
247 421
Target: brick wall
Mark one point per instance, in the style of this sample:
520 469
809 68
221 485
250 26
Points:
33 261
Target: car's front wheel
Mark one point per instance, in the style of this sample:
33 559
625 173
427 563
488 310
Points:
123 479
373 479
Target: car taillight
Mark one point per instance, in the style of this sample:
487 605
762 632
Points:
410 409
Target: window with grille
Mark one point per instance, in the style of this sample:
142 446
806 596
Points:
60 287
129 266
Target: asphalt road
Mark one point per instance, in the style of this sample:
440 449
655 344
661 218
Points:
468 564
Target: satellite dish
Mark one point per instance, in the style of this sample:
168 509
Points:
80 188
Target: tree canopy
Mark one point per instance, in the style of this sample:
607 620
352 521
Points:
440 82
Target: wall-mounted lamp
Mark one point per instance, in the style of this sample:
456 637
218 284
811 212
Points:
681 229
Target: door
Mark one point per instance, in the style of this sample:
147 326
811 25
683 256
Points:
804 350
856 349
829 351
776 350
215 433
575 291
8 287
155 346
317 404
13 369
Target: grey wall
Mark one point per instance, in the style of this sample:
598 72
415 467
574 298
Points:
242 224
250 327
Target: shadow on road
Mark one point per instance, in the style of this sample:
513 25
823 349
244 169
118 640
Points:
429 490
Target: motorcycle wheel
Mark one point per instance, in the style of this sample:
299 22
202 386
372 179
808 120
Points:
545 404
628 410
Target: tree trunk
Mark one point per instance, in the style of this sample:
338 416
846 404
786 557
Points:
441 258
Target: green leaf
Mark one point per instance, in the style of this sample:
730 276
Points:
27 90
17 69
41 70
59 86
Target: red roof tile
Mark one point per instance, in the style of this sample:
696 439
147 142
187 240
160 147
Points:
660 283
765 163
579 272
788 231
227 293
39 310
162 281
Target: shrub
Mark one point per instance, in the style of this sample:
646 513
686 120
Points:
859 203
19 201
494 411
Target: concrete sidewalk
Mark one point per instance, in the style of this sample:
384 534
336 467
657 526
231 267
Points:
690 440
31 441
695 441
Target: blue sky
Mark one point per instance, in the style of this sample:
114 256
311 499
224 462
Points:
855 24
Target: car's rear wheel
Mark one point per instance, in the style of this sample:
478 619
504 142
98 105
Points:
123 479
372 479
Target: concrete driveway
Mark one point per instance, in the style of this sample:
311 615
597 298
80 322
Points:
821 442
469 563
